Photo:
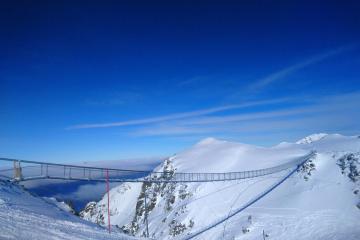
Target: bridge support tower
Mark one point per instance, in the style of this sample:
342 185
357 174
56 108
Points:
17 171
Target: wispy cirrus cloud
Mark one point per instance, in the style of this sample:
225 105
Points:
336 112
185 122
181 115
281 74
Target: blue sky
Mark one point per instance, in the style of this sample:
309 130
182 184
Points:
94 80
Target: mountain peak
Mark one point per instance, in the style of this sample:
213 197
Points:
312 138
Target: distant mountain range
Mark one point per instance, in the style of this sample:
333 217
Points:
321 201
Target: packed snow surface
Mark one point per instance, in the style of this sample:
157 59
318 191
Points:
24 216
321 201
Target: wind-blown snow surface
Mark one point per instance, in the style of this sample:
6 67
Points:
24 216
321 201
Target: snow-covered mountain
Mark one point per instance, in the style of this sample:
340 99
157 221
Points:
24 216
321 201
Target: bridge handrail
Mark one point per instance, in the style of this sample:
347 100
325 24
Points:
72 166
165 176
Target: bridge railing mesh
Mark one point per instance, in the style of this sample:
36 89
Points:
28 170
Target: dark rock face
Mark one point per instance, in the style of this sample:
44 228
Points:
307 168
349 165
90 210
164 195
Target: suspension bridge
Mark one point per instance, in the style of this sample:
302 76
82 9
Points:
24 170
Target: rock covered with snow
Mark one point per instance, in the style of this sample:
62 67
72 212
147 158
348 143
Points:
60 204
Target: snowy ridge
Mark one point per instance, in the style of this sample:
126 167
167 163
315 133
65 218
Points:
176 210
312 138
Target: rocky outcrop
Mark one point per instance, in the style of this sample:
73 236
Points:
160 195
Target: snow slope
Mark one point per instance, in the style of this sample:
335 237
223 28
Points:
321 201
60 204
24 216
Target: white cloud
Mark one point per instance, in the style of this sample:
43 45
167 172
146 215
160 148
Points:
330 113
175 116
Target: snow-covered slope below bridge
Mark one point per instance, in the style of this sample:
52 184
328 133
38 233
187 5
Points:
321 201
24 216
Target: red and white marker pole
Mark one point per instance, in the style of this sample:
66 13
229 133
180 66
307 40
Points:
108 198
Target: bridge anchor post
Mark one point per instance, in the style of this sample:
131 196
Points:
17 171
